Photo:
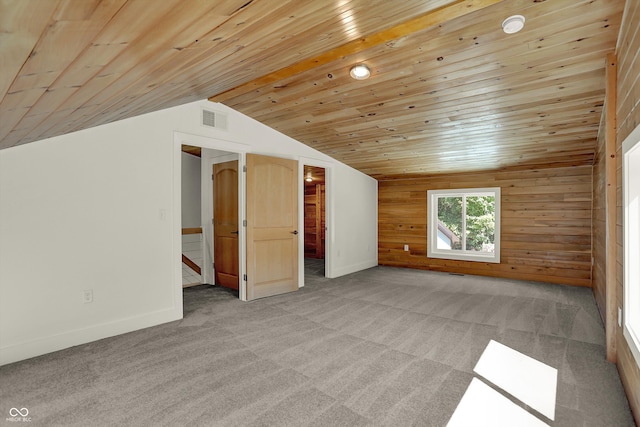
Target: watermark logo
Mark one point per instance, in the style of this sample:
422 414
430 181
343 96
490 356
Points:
19 415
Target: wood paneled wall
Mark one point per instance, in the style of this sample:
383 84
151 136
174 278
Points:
314 220
599 224
604 212
545 230
628 118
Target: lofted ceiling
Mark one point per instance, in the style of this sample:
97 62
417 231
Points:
449 91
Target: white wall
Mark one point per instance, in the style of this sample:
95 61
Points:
190 191
109 220
354 234
89 210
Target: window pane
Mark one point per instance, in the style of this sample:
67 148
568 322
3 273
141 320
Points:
631 199
481 223
464 224
450 223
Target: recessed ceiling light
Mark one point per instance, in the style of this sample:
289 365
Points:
360 72
308 178
513 24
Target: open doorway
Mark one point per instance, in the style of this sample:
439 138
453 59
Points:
216 150
220 218
315 220
191 221
210 216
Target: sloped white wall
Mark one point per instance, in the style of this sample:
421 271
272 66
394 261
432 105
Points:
95 209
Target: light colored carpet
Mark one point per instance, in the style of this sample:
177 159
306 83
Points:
384 346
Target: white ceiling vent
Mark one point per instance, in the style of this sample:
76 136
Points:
214 119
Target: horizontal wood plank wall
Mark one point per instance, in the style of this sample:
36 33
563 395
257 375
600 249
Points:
545 231
628 117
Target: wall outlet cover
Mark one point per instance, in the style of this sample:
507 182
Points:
87 296
619 317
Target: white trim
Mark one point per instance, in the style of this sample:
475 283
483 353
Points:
353 268
242 235
432 229
631 201
176 242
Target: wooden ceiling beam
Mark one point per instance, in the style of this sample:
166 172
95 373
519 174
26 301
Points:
430 19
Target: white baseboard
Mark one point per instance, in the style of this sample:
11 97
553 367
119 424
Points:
37 347
353 268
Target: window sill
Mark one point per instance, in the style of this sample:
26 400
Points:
493 258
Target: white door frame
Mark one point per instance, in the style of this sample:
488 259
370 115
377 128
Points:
180 138
328 197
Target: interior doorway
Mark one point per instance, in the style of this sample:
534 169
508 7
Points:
220 218
218 151
315 219
191 220
210 217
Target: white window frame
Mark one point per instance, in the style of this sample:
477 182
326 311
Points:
432 225
631 206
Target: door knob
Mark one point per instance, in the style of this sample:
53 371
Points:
234 232
294 232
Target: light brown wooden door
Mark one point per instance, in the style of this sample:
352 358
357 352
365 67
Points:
225 224
272 226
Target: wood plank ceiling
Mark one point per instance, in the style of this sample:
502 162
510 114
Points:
449 91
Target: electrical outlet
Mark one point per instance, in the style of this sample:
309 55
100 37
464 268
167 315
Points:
406 248
87 296
619 317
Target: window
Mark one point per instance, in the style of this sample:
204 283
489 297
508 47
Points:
464 224
631 195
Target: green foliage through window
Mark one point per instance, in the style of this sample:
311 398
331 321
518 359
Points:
478 213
